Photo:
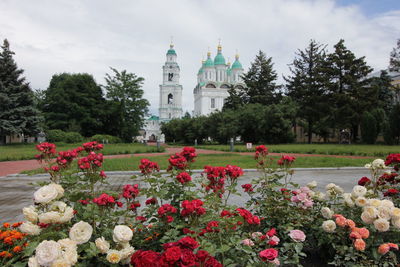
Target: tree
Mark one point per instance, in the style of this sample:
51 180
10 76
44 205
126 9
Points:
18 114
260 80
235 99
74 103
368 128
384 89
394 63
124 90
349 88
307 86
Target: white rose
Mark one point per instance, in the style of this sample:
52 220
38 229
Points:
338 190
387 203
374 202
59 189
329 226
319 196
60 262
381 225
81 232
313 184
326 212
329 186
396 223
358 191
32 262
30 214
50 217
29 228
67 215
45 194
368 166
361 201
366 218
69 252
113 256
384 212
395 213
378 164
347 200
47 252
122 234
102 244
127 252
371 211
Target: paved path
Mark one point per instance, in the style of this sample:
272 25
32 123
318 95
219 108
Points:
12 167
16 191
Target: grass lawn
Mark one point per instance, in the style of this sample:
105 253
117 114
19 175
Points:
325 149
28 151
246 162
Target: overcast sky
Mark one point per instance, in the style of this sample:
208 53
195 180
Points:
54 36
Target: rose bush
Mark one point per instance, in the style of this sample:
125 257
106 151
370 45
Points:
178 219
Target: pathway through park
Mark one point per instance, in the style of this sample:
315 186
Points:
13 167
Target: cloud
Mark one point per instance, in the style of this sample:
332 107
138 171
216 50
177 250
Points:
89 36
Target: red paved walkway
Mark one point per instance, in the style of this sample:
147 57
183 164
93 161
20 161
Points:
11 167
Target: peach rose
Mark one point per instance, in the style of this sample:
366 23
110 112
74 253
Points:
359 244
383 249
341 221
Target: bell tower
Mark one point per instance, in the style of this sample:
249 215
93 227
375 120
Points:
170 89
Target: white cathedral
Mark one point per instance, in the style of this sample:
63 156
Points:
214 79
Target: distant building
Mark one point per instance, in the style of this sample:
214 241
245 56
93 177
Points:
170 106
214 79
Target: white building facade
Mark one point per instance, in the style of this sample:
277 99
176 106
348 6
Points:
214 79
170 104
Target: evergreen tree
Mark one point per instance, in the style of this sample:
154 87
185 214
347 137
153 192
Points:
235 99
349 88
124 90
384 89
307 86
260 80
368 128
74 102
18 114
394 63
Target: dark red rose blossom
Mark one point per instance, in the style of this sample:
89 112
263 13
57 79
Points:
269 254
130 191
188 258
172 255
391 192
392 159
104 200
212 262
151 201
233 171
166 208
92 146
146 166
177 161
193 207
202 255
189 153
188 242
183 177
271 232
364 181
247 187
145 258
92 160
261 151
47 150
286 160
216 177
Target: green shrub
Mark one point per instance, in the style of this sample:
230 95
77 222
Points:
55 136
73 137
106 138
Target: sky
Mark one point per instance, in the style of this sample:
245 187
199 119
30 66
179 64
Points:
56 36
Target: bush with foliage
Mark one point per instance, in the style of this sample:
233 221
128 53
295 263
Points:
176 219
61 136
105 138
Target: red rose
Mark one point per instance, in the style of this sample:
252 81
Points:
363 181
145 258
391 192
271 232
212 262
202 255
268 254
188 258
172 255
247 187
183 177
188 242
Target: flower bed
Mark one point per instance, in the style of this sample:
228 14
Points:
187 221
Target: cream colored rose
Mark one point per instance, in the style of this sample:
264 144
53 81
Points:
329 226
348 200
387 203
29 228
319 196
312 184
32 262
381 225
102 245
374 202
396 223
395 213
127 252
67 215
30 214
384 213
50 217
326 212
366 218
69 253
371 211
60 262
361 201
368 166
47 252
58 206
378 164
59 189
122 234
329 186
45 194
358 191
113 256
81 232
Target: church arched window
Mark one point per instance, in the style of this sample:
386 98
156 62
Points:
170 76
210 85
170 99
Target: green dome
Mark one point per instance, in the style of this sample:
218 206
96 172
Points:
171 50
237 65
200 70
219 59
209 62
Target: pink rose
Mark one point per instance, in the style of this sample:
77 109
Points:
248 242
294 199
297 235
308 203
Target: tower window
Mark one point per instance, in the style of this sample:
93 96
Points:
212 102
170 99
170 76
